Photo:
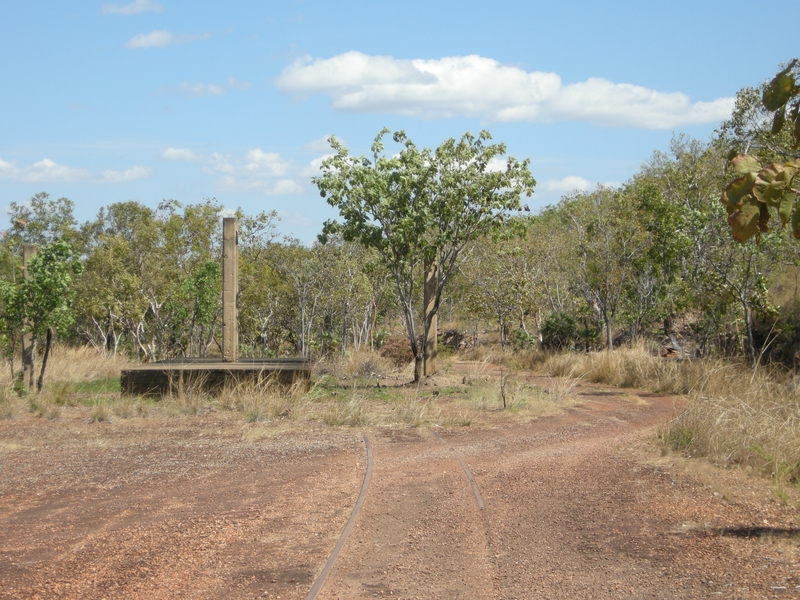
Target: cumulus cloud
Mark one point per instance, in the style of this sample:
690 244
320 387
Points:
43 171
133 8
47 170
162 38
180 154
312 169
570 183
475 86
258 171
209 89
573 183
131 174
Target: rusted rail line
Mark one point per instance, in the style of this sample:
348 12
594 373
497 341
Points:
320 581
464 466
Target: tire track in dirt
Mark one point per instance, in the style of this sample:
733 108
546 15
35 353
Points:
420 534
467 472
320 581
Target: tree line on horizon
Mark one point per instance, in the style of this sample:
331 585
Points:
654 258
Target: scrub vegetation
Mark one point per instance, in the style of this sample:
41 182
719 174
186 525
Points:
672 282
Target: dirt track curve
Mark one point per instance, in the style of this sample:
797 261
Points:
575 506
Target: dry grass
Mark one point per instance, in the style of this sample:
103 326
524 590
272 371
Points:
100 413
737 416
74 365
356 365
345 394
264 401
636 367
732 414
7 405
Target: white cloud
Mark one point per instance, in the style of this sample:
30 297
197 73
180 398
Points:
266 162
282 187
258 171
475 86
8 170
131 174
210 89
573 183
201 89
47 170
133 8
314 166
180 154
497 164
162 39
567 184
237 84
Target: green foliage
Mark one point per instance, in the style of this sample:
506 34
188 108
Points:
523 340
558 332
44 299
42 220
419 205
749 198
758 189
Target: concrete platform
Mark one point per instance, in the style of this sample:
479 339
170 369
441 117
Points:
211 374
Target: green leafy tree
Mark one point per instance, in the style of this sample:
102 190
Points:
609 237
42 302
419 206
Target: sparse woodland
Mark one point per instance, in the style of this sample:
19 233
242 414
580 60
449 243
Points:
649 265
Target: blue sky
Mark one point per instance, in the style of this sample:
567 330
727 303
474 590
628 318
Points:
141 100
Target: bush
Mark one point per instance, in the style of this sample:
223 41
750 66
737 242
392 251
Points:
558 331
398 350
524 340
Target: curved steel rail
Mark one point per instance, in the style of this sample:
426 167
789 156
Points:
464 466
315 589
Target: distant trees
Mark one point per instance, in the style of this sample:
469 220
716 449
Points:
639 260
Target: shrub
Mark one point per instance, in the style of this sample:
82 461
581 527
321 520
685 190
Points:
524 340
558 331
398 350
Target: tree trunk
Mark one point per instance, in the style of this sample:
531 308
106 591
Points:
748 324
430 327
47 345
29 360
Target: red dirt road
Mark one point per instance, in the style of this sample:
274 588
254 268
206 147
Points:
576 506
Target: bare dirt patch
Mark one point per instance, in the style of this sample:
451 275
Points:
577 505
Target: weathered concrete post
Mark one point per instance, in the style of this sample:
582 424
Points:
230 289
429 352
28 339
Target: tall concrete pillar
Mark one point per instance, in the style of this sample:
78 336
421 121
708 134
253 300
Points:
230 289
429 351
28 340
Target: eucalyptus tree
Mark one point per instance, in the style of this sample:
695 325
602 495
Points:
606 229
42 220
41 303
500 279
419 207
